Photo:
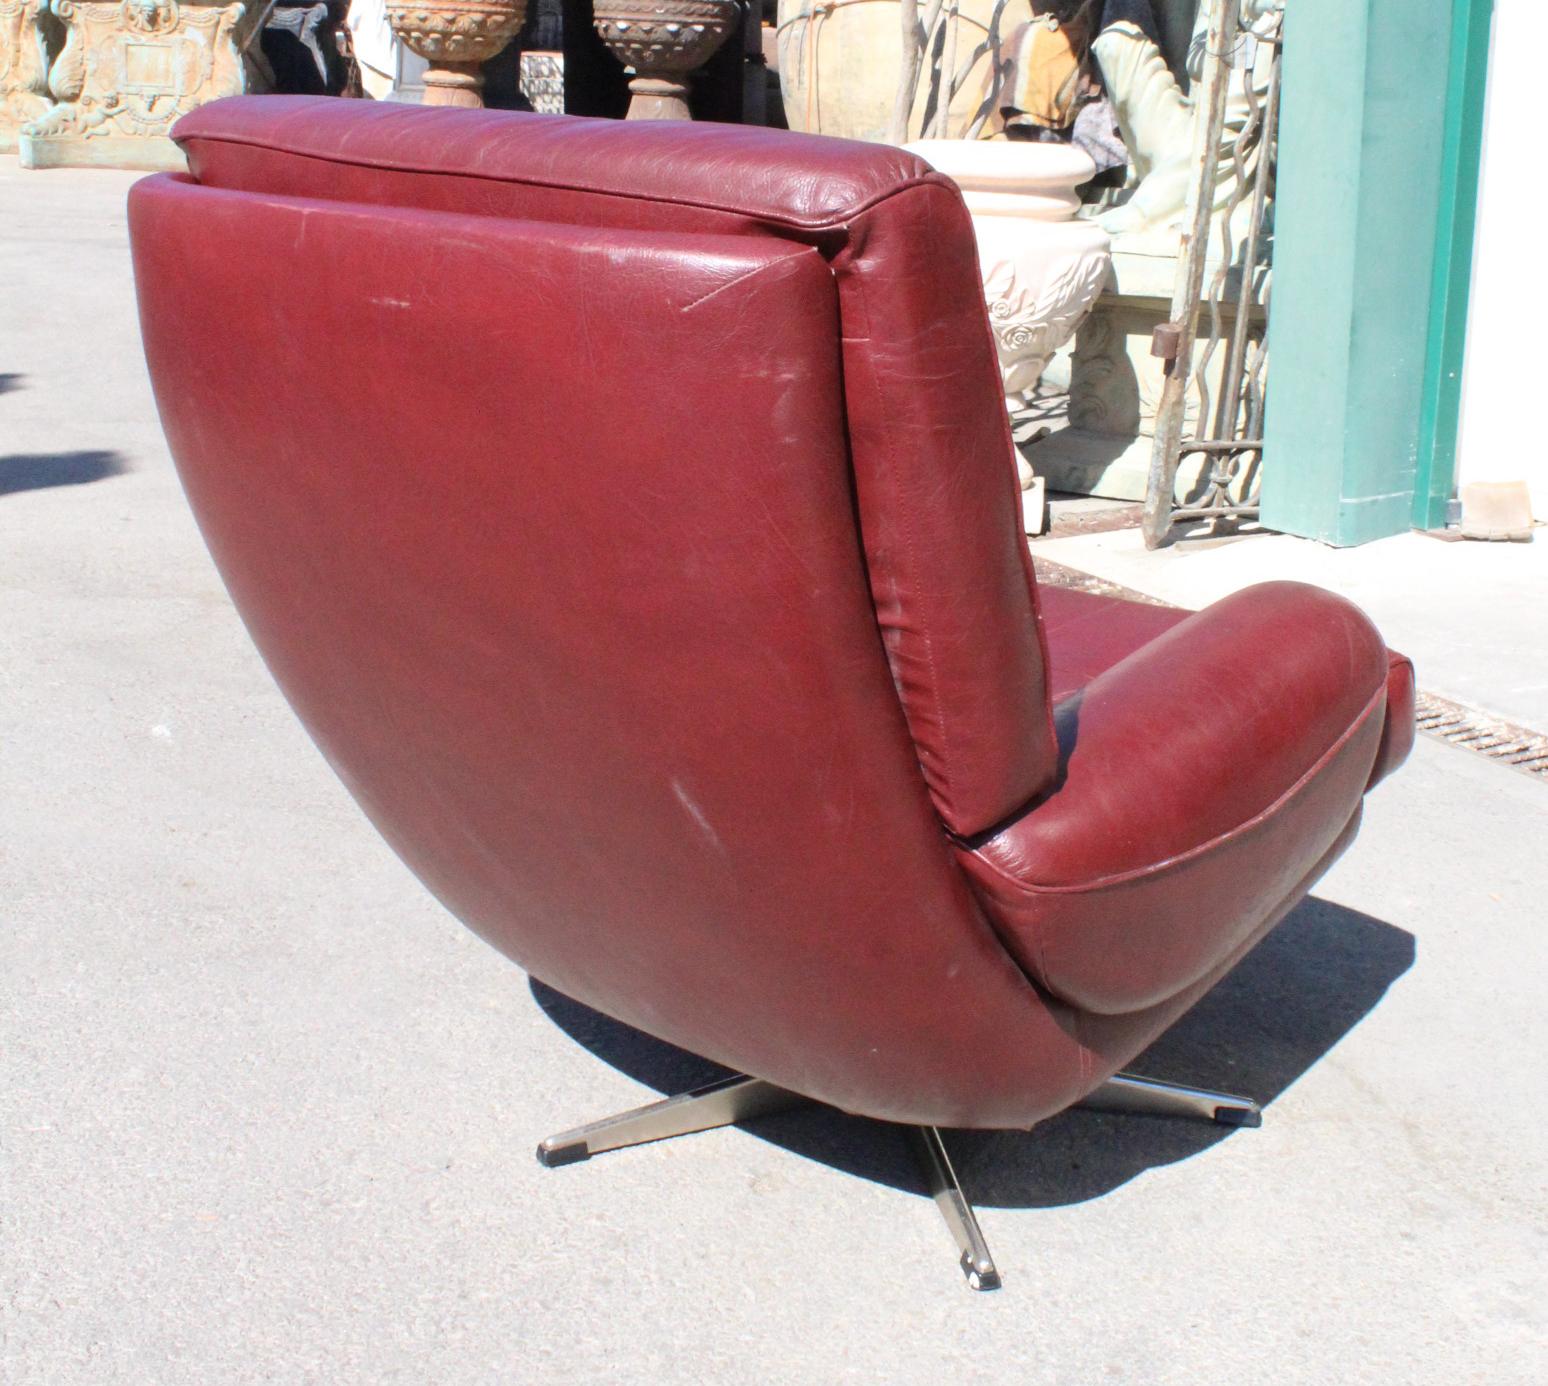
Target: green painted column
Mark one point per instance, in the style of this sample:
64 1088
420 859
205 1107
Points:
1452 273
1357 205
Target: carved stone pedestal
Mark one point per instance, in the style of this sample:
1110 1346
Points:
456 37
1102 442
128 69
661 42
23 67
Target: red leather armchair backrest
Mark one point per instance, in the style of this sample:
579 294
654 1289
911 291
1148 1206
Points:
546 525
931 452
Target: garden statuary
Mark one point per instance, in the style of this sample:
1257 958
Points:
23 67
1156 117
456 37
128 69
1102 440
661 42
845 69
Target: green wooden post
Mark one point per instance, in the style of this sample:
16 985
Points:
1356 211
1453 270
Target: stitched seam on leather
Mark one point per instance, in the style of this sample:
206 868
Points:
1377 702
745 275
908 533
820 221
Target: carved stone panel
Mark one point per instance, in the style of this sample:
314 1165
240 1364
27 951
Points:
128 69
23 67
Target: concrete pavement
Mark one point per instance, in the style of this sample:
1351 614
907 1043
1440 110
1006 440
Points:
267 1112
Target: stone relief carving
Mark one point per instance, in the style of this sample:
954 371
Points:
23 67
128 69
1034 315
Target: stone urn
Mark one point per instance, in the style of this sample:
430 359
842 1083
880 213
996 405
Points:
661 42
456 37
1042 267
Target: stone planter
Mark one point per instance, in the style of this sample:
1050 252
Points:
128 69
662 42
1042 268
456 37
23 67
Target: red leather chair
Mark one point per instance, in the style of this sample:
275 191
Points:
655 582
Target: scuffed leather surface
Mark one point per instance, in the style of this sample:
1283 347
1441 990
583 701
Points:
568 586
607 679
930 444
1108 1042
1200 778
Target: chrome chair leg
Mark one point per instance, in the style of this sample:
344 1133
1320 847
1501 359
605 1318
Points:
1127 1092
721 1103
977 1263
741 1098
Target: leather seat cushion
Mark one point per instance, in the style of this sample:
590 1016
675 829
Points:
1087 634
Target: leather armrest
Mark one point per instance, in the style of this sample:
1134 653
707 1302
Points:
1204 782
1197 734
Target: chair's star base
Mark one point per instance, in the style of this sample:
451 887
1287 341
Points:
741 1098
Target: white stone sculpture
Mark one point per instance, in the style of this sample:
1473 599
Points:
23 67
128 69
1104 439
1156 117
1042 269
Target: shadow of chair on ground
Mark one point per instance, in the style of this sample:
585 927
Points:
36 471
1284 1007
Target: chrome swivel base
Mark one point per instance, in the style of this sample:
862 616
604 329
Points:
740 1098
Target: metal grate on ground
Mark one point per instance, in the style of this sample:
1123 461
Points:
1494 737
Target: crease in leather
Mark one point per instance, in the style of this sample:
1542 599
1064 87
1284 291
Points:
922 633
745 277
959 805
1025 887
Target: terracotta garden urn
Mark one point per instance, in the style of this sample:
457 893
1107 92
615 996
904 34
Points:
661 42
456 37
